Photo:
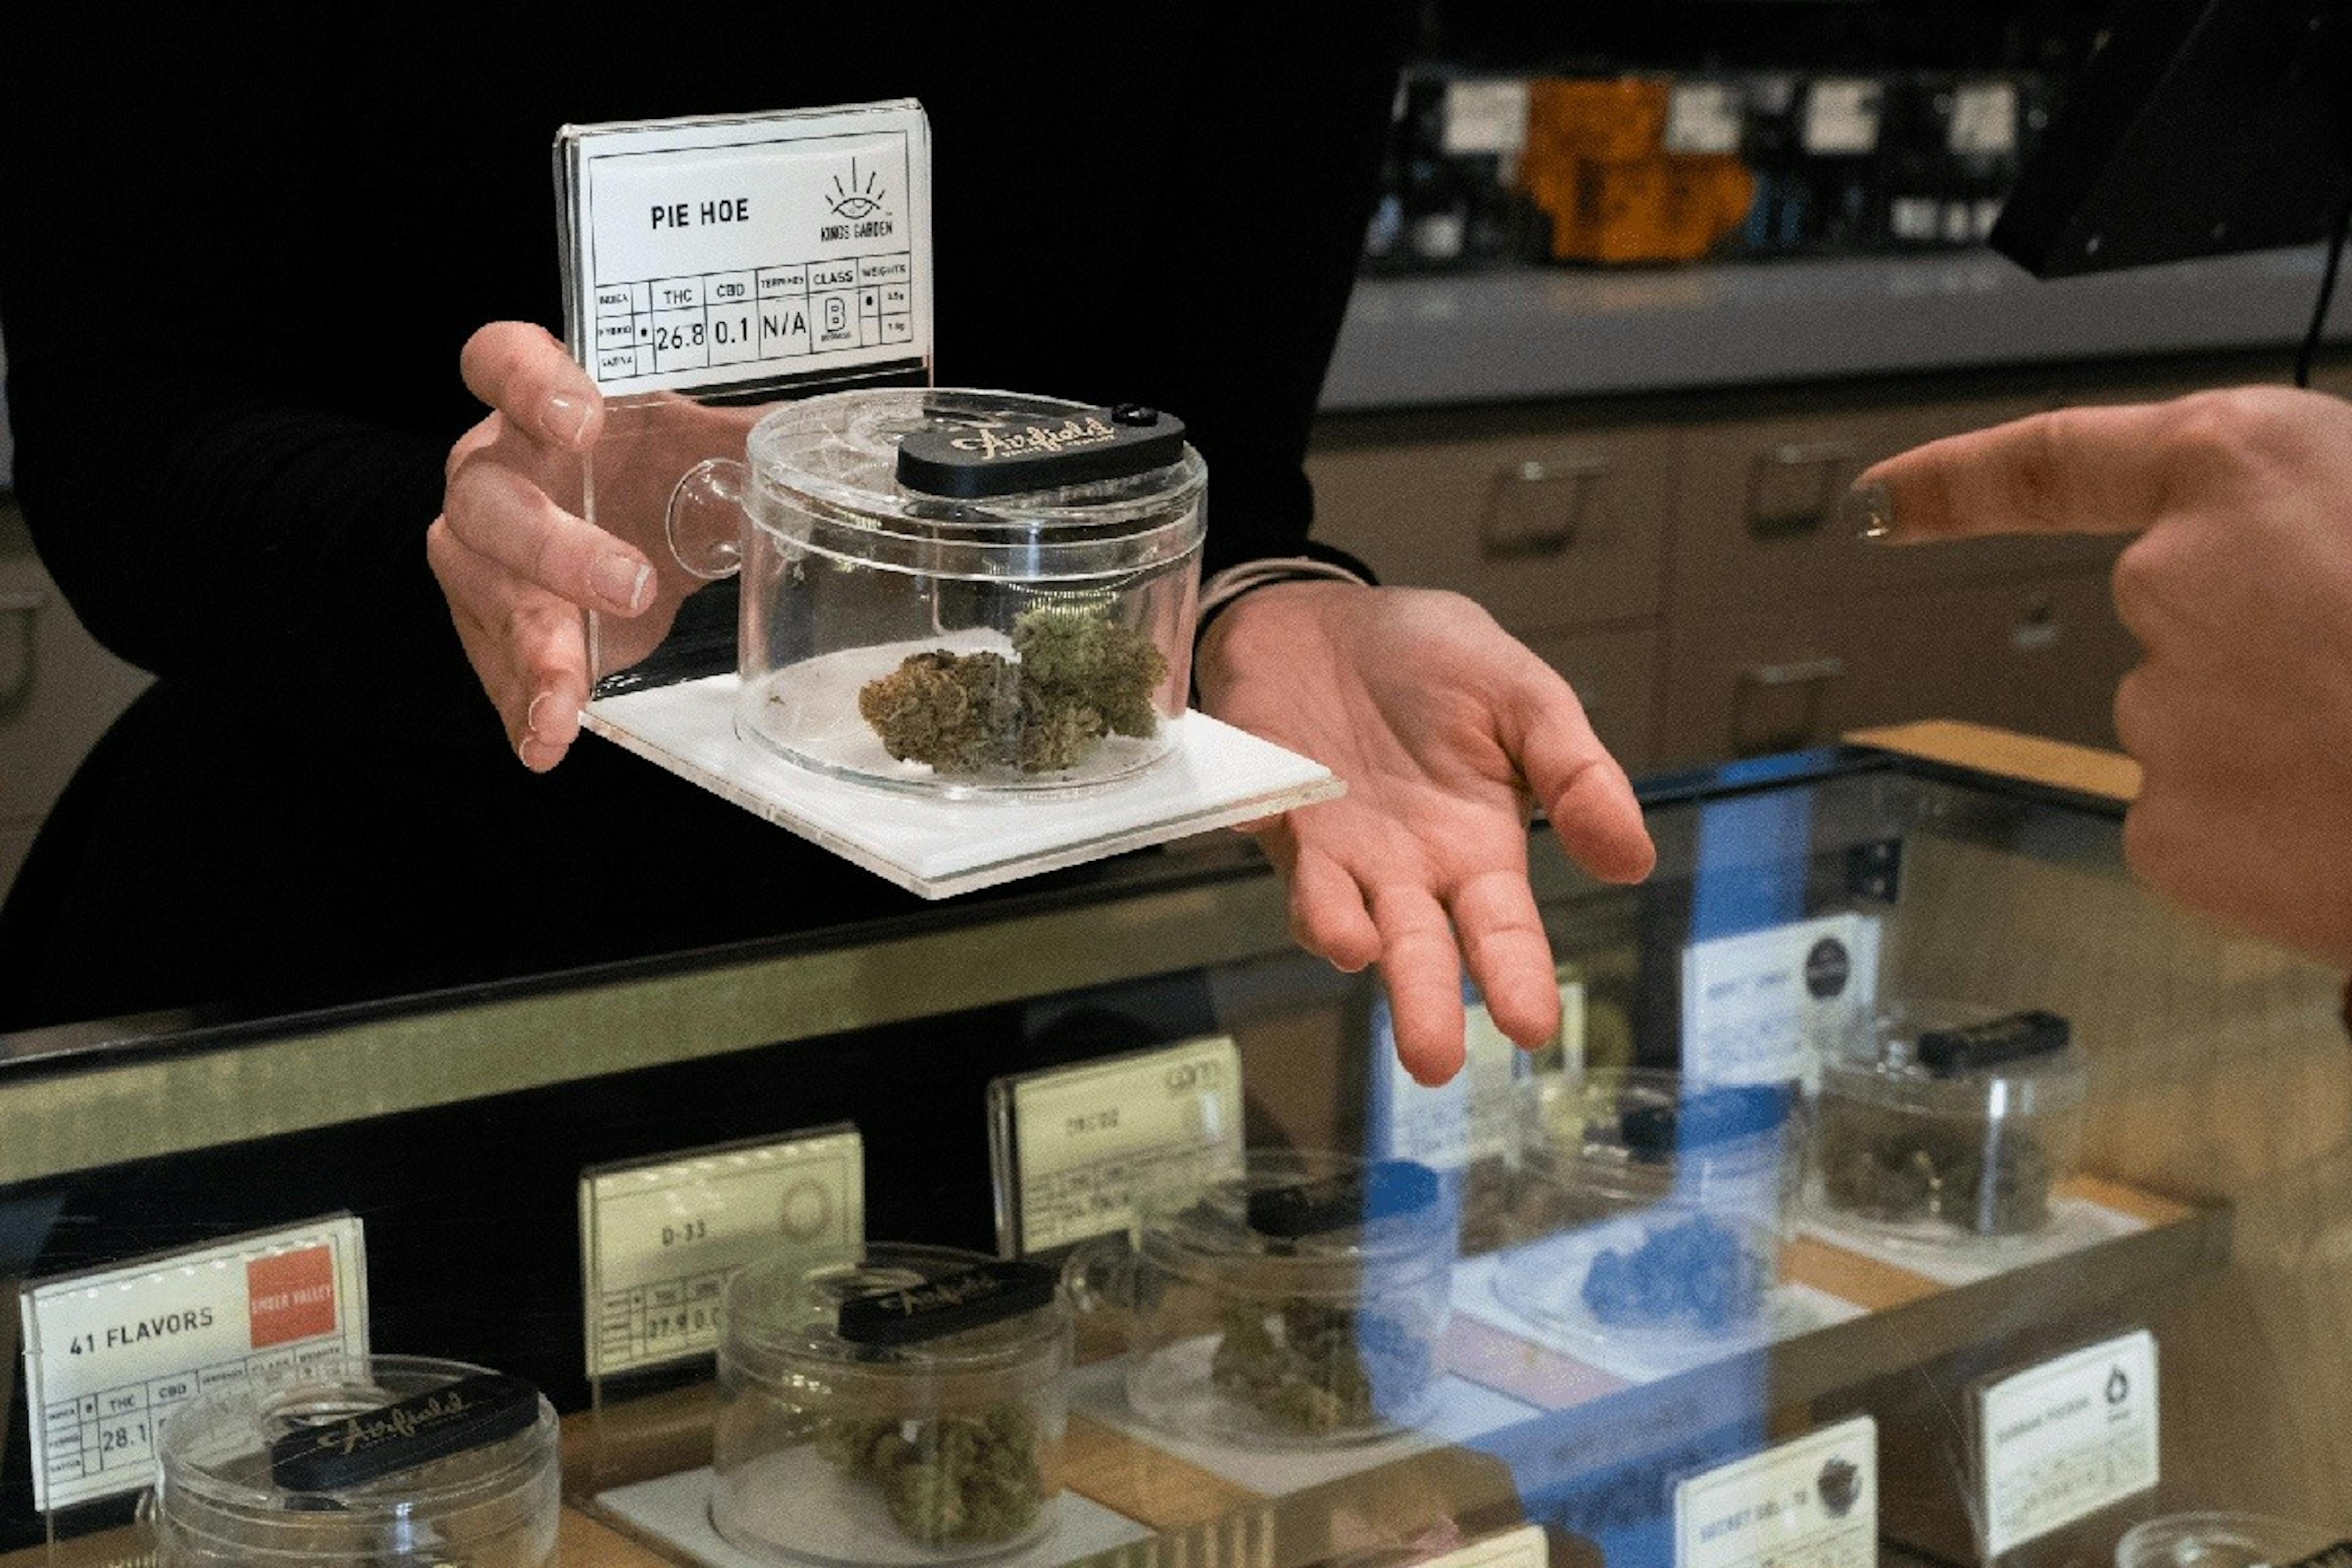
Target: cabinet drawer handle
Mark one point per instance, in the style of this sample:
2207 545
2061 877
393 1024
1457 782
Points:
1581 476
1805 672
1772 511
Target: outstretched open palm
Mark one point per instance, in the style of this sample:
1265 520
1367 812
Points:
1446 731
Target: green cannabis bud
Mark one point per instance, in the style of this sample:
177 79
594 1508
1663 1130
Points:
1313 1378
1083 658
1895 1166
958 712
1079 676
959 1479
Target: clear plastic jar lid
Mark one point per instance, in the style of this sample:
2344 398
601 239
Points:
1630 1135
1960 1060
2217 1541
784 1319
1304 1224
265 1468
849 461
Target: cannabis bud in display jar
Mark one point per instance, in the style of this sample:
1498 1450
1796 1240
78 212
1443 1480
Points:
1313 1376
1078 676
953 1480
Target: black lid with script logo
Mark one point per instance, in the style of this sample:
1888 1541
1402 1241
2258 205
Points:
949 1304
1009 451
364 1445
900 1310
388 1461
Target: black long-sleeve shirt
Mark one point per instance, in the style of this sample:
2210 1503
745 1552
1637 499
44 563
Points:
234 287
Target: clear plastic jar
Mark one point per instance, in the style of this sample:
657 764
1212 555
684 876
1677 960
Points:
958 591
1648 1215
831 1448
225 1492
2217 1541
1948 1123
1296 1305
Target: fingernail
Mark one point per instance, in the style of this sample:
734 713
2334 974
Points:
1868 511
622 582
530 715
563 417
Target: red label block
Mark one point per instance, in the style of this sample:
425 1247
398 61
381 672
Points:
291 1296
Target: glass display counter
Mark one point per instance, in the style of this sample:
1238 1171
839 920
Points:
1904 1184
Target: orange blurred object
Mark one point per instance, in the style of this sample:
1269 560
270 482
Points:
1596 163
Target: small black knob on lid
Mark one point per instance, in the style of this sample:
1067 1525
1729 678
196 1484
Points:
1019 451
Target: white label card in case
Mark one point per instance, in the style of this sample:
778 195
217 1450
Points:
1092 1140
1842 117
2063 1440
110 1355
1704 117
1984 119
711 253
1485 116
1471 1115
658 1238
1762 1006
1522 1548
1810 1503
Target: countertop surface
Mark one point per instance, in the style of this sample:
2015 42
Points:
1533 333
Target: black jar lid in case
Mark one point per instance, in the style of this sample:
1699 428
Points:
900 1310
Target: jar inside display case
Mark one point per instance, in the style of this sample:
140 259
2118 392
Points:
1648 1215
907 1408
1947 1123
955 590
2218 1541
1296 1305
381 1460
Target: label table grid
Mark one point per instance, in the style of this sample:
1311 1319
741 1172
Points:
670 1317
790 311
114 1429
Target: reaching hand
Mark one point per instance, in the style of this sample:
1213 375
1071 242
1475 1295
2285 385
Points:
1444 728
2239 591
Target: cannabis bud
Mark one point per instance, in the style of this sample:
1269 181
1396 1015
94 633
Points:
1313 1378
1078 676
1899 1167
1699 1272
957 1480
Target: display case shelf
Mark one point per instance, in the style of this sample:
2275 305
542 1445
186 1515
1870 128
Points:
1524 334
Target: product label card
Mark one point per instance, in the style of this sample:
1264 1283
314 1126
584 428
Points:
1521 1548
1704 117
658 1239
1810 1503
1842 117
709 253
110 1355
1762 1006
2064 1440
1089 1140
1485 116
1473 1115
1984 119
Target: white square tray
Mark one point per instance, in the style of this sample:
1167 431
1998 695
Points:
1217 776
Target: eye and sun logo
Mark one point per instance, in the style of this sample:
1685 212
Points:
858 198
